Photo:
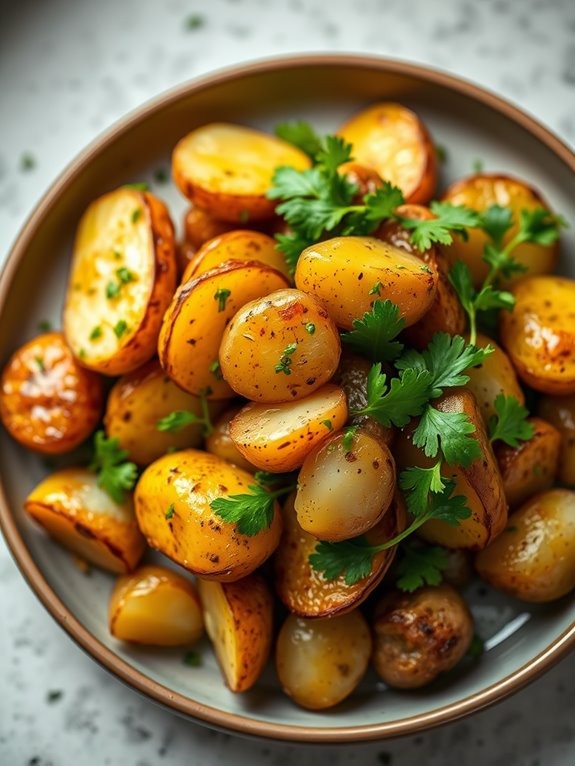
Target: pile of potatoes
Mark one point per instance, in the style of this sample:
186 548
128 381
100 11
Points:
214 325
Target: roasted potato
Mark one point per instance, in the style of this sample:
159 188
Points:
459 569
278 438
227 170
194 323
560 411
481 191
348 274
280 347
77 513
419 635
366 179
200 227
394 142
539 335
239 621
493 377
534 559
344 490
320 662
532 466
305 591
155 606
220 443
172 501
122 279
48 402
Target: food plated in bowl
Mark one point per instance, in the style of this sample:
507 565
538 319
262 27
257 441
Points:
354 274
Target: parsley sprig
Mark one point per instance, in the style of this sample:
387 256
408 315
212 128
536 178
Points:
116 475
420 565
374 335
179 419
509 424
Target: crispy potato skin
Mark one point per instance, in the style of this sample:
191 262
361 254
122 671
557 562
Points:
239 621
200 227
342 272
195 537
480 192
319 663
560 412
306 592
155 606
79 515
48 402
220 442
534 560
394 142
366 179
532 466
539 335
495 376
420 635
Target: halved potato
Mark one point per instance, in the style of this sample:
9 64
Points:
239 621
393 141
48 402
280 347
122 279
560 411
155 606
172 500
77 513
305 591
227 169
194 324
320 662
348 274
493 377
366 179
220 442
278 437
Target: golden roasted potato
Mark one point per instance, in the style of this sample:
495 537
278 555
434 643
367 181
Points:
348 274
48 402
122 279
305 591
239 621
419 635
280 347
534 559
220 443
172 500
532 466
394 142
366 179
227 170
539 335
560 412
77 513
481 191
277 438
197 317
344 490
320 662
138 401
200 227
493 377
155 606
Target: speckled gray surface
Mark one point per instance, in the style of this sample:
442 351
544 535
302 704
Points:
70 69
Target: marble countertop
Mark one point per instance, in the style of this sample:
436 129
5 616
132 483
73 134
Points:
70 69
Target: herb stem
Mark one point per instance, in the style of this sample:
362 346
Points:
206 419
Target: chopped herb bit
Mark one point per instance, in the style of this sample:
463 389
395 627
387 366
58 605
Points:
44 325
348 437
194 21
215 369
511 529
285 359
82 353
27 162
221 296
477 166
328 424
192 658
441 153
112 290
245 216
54 695
117 254
40 363
476 647
115 474
376 289
96 333
426 269
139 186
310 327
170 511
136 215
124 275
120 328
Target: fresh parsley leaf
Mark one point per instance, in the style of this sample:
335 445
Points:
177 420
348 436
539 226
417 483
510 424
450 429
420 565
333 153
115 473
250 512
302 135
462 281
292 246
448 218
383 201
351 558
373 336
285 361
221 296
501 262
400 400
496 222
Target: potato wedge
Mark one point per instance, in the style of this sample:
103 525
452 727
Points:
280 347
306 592
122 279
348 273
539 335
534 559
156 607
138 401
239 621
220 443
77 513
560 412
172 501
48 402
227 170
278 438
393 141
194 324
320 662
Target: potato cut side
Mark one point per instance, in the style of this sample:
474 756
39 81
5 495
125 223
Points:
241 245
77 513
121 281
220 442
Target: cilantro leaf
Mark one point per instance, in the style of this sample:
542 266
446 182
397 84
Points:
334 152
462 281
250 512
289 183
382 202
115 474
419 482
301 134
489 298
177 420
510 423
496 222
373 336
420 565
291 246
500 261
539 226
352 558
450 429
396 403
448 218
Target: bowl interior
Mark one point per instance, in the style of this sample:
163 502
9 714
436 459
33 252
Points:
325 93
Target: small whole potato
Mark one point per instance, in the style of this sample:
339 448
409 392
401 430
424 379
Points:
48 402
419 635
534 558
560 411
200 227
493 377
320 662
220 442
279 348
155 606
